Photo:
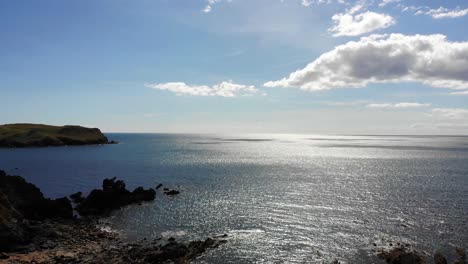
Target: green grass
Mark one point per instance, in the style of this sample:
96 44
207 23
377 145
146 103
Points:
38 134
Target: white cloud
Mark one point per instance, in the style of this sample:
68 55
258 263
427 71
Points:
443 12
451 126
209 5
386 2
450 113
346 103
306 2
224 89
460 93
398 105
428 59
353 24
207 9
405 8
441 126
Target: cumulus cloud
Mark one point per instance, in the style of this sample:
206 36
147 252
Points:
224 89
428 59
398 105
353 23
443 12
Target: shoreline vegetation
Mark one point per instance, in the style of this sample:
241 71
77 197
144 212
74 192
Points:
34 229
38 135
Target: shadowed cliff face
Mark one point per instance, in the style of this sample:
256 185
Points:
35 135
19 201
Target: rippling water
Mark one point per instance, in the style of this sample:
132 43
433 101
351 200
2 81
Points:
280 198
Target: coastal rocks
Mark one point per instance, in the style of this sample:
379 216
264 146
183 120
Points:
51 236
113 196
84 243
402 255
29 201
159 252
172 192
142 195
21 201
12 231
77 197
439 258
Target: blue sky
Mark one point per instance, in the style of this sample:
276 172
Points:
223 66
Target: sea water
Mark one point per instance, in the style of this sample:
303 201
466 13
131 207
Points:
279 198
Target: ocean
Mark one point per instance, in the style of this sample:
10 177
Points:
280 198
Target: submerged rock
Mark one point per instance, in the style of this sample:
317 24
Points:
113 196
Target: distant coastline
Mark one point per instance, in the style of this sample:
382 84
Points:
39 135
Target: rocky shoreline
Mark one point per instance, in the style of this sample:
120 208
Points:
34 229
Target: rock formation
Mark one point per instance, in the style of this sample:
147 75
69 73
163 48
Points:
113 196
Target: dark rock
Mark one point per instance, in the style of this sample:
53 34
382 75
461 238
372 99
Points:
439 258
112 185
113 142
12 231
113 196
166 189
29 201
172 192
140 194
402 255
20 201
461 252
58 208
171 239
77 197
170 251
159 186
462 256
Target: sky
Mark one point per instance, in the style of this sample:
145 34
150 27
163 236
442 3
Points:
237 66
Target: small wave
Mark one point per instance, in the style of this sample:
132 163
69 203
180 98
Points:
168 234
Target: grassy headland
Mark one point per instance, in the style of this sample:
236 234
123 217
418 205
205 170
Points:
38 135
